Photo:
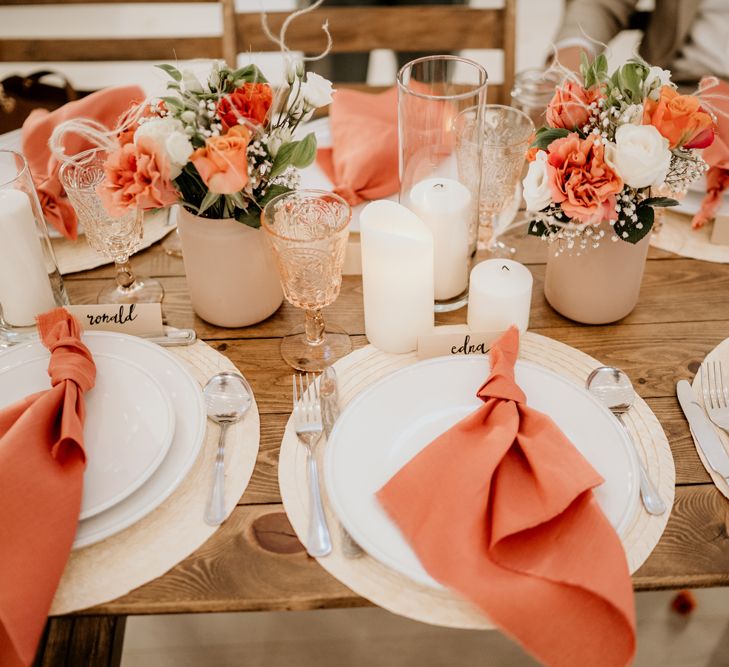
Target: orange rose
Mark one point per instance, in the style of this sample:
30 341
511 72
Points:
249 102
680 119
570 106
223 162
137 176
581 180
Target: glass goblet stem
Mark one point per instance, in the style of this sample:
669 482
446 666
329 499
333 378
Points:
125 278
314 327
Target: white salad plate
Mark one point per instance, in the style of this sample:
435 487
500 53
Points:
391 420
129 420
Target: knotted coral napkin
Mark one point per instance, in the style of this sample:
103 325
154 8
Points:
500 509
362 162
42 463
104 106
717 154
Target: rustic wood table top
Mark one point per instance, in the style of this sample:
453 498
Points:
255 562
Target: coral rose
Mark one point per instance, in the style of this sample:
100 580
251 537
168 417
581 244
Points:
680 119
137 176
570 106
249 102
223 162
581 180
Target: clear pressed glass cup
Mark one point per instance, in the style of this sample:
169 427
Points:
308 231
117 238
441 189
506 135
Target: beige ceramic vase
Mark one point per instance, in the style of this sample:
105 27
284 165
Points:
231 273
600 285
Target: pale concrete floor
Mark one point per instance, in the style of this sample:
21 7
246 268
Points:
376 638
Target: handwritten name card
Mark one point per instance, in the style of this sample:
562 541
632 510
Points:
135 319
445 344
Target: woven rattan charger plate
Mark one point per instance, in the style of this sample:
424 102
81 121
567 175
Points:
166 536
395 592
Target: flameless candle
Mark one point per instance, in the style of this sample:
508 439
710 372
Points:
25 290
500 294
445 206
397 276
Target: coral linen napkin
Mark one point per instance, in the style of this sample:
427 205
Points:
42 464
104 106
500 509
717 154
362 163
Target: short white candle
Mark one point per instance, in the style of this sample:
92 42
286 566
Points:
500 294
445 206
25 290
397 276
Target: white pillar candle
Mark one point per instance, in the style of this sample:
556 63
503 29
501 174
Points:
397 276
25 290
445 206
500 294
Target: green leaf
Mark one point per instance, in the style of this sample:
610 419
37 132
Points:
250 219
659 201
600 67
173 102
172 71
298 154
237 200
210 199
546 136
537 228
249 74
635 234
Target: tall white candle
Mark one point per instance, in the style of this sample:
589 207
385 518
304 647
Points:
500 294
25 290
445 206
397 276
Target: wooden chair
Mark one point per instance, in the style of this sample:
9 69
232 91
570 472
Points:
107 49
435 28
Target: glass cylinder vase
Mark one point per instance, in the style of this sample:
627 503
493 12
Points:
30 282
437 183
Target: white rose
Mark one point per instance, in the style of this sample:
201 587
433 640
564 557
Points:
654 80
537 193
640 155
169 135
317 90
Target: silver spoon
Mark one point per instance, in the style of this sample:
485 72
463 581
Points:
227 399
614 390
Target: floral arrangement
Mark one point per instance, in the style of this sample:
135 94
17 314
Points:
222 148
612 148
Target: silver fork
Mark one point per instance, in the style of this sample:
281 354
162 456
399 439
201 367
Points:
716 393
308 425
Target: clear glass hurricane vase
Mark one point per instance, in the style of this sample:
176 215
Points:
116 238
308 231
30 282
436 183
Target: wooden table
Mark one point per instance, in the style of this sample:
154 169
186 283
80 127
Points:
255 562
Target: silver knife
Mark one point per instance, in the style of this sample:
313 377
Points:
329 393
702 430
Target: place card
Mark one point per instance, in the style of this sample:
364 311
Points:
720 232
446 344
135 319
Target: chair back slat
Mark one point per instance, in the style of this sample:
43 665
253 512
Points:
358 29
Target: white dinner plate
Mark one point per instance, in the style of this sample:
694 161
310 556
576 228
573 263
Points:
391 420
129 420
190 421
